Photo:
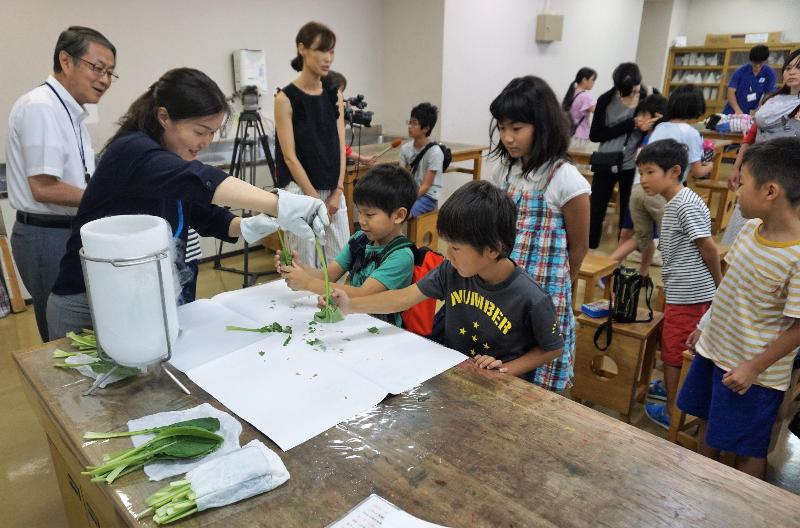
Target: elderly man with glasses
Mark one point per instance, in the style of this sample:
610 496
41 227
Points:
49 157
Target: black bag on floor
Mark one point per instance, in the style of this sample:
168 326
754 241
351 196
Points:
626 285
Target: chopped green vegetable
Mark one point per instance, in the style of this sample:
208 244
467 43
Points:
174 501
314 342
209 424
274 327
373 330
286 341
172 442
261 353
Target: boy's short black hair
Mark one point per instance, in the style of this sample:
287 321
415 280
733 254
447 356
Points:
653 104
776 160
759 53
387 187
666 153
686 102
426 115
481 215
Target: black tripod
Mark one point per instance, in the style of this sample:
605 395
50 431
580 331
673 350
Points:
250 136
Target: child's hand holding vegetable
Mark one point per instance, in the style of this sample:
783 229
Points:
296 276
342 300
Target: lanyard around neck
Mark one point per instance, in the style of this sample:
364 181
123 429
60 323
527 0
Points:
78 134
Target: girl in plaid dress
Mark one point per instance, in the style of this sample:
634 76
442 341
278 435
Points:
552 200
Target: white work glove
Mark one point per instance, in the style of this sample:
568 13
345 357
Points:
257 227
302 215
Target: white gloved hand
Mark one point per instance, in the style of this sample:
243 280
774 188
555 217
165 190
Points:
302 215
257 227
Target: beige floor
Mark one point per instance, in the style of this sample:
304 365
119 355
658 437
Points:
29 495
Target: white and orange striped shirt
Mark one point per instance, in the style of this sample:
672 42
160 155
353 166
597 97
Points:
758 300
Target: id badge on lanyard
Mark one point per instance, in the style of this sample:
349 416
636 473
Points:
78 135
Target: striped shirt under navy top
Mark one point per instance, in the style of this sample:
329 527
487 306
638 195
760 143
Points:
193 251
687 279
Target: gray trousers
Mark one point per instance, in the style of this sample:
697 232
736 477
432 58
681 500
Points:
68 313
37 252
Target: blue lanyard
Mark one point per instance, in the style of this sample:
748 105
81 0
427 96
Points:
180 221
78 134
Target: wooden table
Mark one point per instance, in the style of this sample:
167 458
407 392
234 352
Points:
468 448
461 152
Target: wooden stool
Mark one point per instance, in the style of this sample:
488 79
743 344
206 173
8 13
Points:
422 230
679 421
722 208
593 268
620 375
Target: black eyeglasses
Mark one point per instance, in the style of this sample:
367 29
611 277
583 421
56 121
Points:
100 71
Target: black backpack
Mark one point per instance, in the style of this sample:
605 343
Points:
626 286
448 155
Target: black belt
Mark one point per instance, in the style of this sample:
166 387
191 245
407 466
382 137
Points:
44 220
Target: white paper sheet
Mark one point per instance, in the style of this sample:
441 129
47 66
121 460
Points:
325 374
377 512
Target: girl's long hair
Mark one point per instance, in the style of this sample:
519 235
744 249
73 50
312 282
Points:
785 89
530 100
184 92
583 73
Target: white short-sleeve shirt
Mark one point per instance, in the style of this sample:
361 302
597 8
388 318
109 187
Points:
567 182
41 140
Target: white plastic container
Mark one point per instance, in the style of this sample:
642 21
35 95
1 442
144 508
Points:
126 300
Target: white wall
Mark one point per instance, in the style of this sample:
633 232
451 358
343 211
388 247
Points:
653 40
153 36
742 16
412 60
486 44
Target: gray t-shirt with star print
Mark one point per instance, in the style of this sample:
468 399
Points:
504 320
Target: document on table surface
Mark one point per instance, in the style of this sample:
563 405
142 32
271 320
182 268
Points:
377 512
326 373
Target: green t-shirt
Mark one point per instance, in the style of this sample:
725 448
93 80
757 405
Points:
394 273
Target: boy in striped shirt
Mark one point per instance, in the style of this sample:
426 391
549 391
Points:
691 269
747 342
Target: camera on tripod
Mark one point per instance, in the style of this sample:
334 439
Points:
354 111
250 98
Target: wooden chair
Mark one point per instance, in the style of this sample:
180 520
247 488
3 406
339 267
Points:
593 268
422 230
619 376
679 421
720 201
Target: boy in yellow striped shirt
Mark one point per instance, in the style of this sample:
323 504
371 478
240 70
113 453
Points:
747 342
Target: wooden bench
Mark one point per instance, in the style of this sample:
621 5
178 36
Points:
619 376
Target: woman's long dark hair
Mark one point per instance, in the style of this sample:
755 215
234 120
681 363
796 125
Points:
306 36
625 77
184 92
583 73
530 100
785 89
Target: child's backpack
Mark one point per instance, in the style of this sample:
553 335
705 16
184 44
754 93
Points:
448 155
626 286
418 318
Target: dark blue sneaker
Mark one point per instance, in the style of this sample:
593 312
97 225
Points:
657 391
657 412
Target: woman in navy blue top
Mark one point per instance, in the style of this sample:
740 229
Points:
149 167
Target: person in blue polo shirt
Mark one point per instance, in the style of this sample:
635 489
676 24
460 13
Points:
750 83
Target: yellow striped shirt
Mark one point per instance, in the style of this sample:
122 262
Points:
758 300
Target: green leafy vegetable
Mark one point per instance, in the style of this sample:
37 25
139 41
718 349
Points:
330 312
373 330
209 424
285 253
286 341
169 443
274 327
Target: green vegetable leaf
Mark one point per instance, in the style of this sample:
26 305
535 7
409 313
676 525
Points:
209 424
373 330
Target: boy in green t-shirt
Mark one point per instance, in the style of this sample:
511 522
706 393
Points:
384 197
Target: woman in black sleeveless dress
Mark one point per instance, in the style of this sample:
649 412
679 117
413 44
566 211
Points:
309 124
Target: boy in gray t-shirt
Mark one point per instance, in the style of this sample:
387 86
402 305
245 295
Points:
495 312
428 171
